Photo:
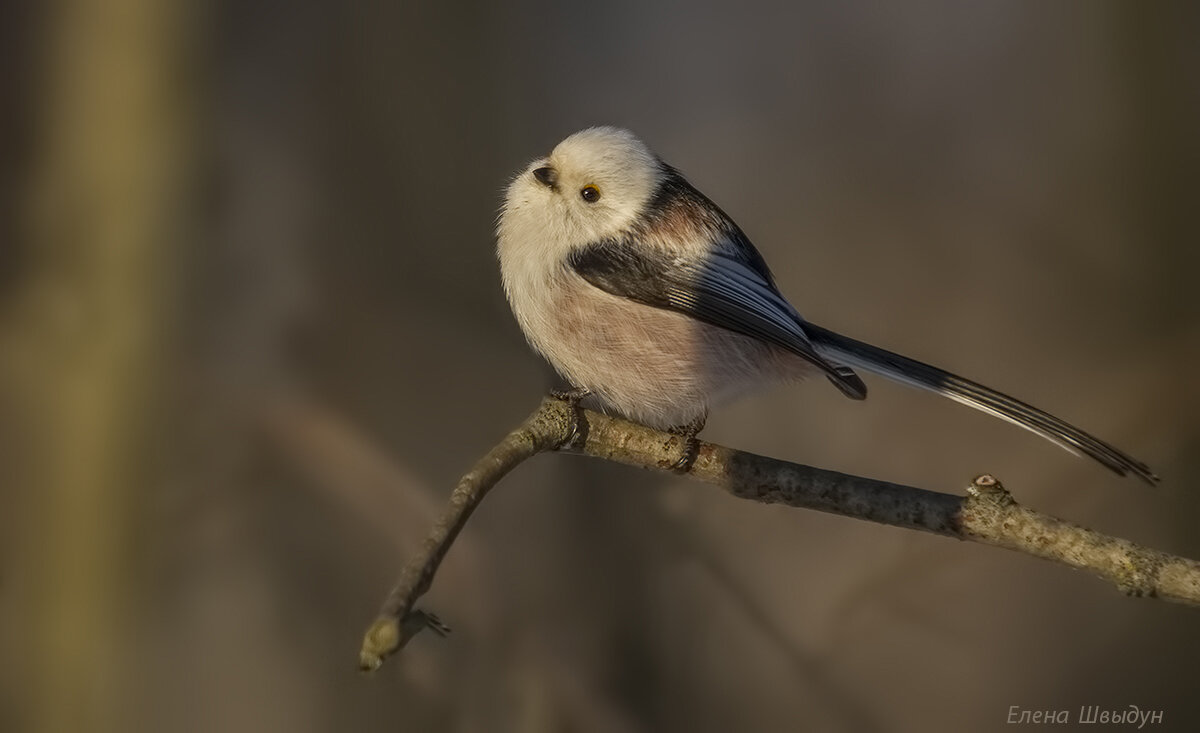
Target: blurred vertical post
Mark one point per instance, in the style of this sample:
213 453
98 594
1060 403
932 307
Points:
107 212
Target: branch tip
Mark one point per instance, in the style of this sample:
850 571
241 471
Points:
381 641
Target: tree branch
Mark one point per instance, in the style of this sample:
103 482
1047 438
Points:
988 514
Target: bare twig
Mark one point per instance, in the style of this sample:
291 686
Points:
548 427
988 514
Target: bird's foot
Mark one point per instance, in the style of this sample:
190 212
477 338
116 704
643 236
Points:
573 396
691 446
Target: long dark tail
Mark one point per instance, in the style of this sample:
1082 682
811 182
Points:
842 349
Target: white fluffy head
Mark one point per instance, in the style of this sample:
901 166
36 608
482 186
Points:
593 185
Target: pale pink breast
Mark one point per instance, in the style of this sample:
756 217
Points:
655 366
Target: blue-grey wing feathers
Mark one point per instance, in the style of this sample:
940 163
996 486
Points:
719 290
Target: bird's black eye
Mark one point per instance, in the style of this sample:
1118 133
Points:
590 193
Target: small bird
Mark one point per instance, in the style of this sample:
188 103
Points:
648 298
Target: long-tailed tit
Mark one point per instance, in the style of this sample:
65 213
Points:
641 292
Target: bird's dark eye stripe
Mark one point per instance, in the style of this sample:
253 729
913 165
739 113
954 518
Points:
590 193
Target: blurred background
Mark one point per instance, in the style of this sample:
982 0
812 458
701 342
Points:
251 332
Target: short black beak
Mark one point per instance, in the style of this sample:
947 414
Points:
546 176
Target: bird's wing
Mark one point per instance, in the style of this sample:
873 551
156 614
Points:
721 289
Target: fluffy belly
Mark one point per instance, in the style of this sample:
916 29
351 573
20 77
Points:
655 366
